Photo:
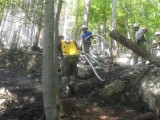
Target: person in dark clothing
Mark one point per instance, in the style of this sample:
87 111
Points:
60 54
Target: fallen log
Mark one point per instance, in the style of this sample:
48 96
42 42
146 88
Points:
89 84
133 46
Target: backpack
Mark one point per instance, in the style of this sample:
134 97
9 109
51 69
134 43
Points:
69 48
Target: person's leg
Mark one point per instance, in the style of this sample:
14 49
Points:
72 78
65 75
142 44
66 67
135 58
86 47
74 68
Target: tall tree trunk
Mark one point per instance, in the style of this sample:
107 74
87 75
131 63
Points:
17 44
56 65
113 43
99 47
37 35
86 11
104 34
13 40
48 82
76 21
16 38
66 19
33 42
126 21
56 38
38 23
6 13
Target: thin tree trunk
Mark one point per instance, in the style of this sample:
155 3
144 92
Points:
17 44
56 38
48 82
86 11
6 13
66 19
10 31
113 43
104 33
99 47
39 25
76 21
114 8
13 40
56 65
31 31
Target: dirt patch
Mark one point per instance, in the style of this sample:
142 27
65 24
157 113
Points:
27 102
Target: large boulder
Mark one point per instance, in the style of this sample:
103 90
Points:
84 71
150 89
115 87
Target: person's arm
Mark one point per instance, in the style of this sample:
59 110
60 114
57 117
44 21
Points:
145 30
92 37
89 36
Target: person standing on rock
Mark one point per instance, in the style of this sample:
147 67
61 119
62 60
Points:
86 38
69 66
140 40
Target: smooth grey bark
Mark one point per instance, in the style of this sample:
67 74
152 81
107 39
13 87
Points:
16 39
38 23
37 35
113 43
13 40
76 21
114 7
99 39
48 82
86 11
32 31
66 19
105 33
6 12
56 65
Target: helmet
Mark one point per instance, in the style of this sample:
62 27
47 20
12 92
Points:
135 25
157 33
83 27
154 42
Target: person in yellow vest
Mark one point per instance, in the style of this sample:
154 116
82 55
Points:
69 67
